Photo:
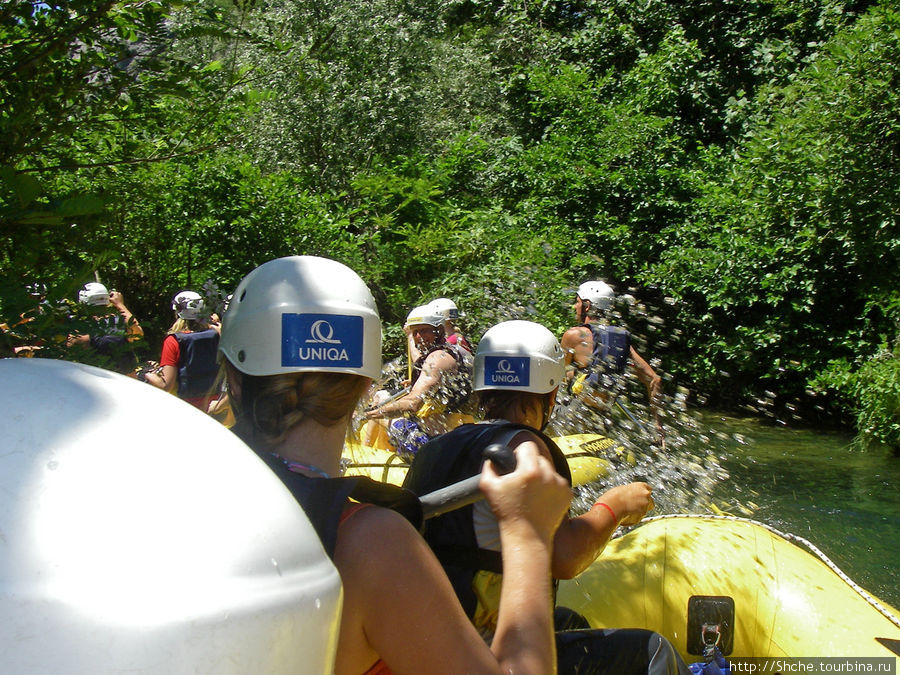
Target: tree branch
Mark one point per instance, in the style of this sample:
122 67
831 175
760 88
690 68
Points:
132 161
61 39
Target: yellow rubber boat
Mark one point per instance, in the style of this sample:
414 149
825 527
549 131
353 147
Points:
759 592
590 457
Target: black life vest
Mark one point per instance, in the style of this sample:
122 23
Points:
111 340
109 335
450 458
197 367
324 499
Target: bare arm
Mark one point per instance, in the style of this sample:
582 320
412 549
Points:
167 379
133 330
416 624
437 363
653 382
579 541
647 376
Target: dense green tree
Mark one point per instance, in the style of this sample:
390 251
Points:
794 261
89 92
733 161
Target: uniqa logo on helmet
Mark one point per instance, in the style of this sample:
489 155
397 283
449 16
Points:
507 371
324 340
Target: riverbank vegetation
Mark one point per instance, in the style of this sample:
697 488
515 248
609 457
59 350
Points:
732 165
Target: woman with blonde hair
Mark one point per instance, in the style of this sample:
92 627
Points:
187 365
302 343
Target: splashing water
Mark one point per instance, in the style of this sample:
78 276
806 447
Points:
684 475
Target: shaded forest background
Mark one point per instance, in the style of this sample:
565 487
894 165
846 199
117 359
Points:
733 165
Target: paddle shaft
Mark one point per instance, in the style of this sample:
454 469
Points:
466 491
625 410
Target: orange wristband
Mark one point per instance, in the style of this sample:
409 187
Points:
608 508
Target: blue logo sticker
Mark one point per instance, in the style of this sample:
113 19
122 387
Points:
507 371
330 340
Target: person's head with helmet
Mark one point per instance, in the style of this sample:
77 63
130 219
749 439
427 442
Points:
426 326
190 312
302 342
518 369
593 299
94 294
448 309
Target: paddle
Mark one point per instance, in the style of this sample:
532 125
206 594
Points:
637 422
466 491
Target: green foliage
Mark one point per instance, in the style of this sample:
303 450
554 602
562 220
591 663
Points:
734 162
803 233
872 393
877 397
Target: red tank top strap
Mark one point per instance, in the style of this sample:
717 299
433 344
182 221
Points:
379 668
350 509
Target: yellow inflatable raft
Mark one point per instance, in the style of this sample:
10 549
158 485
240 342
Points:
758 593
590 457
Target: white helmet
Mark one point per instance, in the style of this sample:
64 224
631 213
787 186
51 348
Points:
188 305
519 356
94 293
128 557
302 314
446 308
424 315
598 293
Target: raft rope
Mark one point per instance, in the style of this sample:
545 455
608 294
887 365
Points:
798 541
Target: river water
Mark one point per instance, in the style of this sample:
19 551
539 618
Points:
805 482
815 484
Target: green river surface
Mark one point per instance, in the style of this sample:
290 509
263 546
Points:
816 485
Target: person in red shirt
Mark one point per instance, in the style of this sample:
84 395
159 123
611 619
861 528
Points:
187 365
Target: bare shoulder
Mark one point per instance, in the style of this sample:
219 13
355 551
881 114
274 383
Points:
440 359
576 335
373 524
393 581
375 540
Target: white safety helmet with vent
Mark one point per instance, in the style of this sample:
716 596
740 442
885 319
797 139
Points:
188 305
302 314
94 293
426 315
103 570
598 293
446 308
519 356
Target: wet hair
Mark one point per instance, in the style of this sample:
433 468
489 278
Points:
496 404
274 404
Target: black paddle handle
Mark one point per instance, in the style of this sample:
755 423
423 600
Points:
466 491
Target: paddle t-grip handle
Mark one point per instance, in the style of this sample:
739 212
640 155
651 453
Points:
466 491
